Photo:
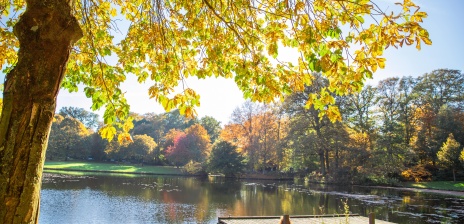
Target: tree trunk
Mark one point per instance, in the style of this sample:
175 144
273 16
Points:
327 164
320 145
46 32
322 161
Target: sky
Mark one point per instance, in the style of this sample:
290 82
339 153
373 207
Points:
219 97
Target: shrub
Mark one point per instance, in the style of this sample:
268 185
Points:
417 173
194 168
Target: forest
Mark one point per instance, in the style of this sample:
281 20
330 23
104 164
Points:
402 129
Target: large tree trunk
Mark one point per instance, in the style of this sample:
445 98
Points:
46 32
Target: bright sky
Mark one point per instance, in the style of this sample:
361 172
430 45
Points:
219 97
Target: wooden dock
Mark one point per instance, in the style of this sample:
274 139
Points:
300 219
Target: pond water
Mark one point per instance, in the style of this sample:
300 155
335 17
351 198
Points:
104 199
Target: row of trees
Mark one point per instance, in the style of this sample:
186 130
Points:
75 135
402 128
164 139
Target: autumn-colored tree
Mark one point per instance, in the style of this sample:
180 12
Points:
256 130
234 134
113 150
199 141
67 139
167 41
424 143
89 119
360 152
244 120
168 139
461 158
268 142
439 100
193 145
179 153
140 149
150 124
449 154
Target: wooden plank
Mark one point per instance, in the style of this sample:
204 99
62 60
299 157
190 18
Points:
306 219
278 217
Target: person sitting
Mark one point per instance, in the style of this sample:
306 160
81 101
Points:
285 219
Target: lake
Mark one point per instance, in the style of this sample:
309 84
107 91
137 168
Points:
102 199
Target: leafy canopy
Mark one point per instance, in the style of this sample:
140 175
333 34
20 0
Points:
165 41
225 159
449 153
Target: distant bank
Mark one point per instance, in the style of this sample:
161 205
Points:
112 168
446 187
128 168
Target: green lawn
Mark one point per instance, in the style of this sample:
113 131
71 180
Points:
439 185
112 167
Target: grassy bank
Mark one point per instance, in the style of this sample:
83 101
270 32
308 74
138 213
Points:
438 185
111 167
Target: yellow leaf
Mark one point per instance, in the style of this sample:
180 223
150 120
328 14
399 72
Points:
108 132
374 67
128 125
124 137
113 12
333 113
381 62
426 40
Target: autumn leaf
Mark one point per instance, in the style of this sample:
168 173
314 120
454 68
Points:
171 41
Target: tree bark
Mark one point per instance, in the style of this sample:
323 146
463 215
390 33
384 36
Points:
46 32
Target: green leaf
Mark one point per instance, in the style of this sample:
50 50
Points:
109 117
89 91
106 51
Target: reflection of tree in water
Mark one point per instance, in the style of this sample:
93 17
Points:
225 187
168 199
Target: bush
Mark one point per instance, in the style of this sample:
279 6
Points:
315 177
194 168
417 173
341 176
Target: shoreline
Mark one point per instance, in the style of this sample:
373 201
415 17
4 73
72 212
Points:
251 177
112 171
420 190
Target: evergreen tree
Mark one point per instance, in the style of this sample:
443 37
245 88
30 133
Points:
225 159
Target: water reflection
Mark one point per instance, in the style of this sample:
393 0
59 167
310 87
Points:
164 199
